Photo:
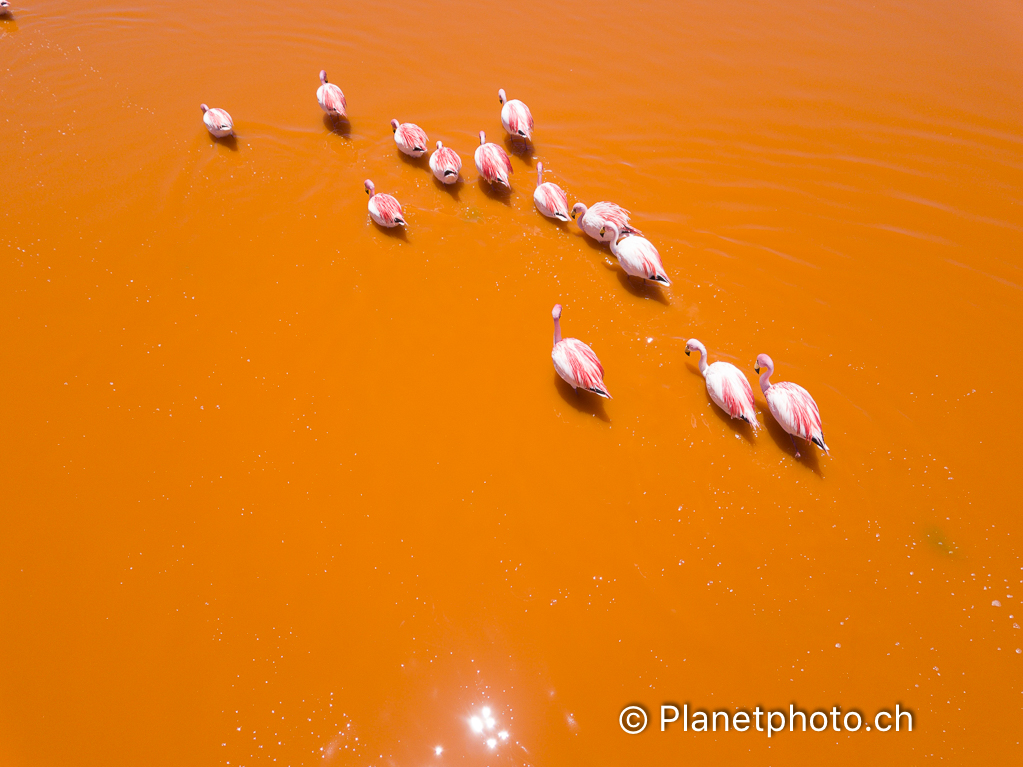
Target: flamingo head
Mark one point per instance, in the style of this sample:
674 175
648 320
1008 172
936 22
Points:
556 312
440 145
370 187
692 345
763 361
203 107
578 210
323 76
394 126
4 5
611 228
501 97
483 138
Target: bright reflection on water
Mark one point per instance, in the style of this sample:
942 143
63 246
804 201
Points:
484 725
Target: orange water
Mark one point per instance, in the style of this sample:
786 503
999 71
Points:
281 487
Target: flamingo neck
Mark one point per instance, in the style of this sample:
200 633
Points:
557 331
613 231
703 360
765 378
539 175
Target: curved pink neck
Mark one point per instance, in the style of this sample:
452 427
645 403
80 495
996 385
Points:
765 378
613 231
557 331
703 360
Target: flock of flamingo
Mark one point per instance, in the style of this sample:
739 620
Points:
790 404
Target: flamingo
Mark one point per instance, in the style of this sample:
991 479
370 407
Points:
593 219
575 361
445 164
550 199
726 385
384 209
792 407
218 122
410 138
637 255
492 162
515 117
331 99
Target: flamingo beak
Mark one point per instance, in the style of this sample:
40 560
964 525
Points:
687 352
602 231
756 367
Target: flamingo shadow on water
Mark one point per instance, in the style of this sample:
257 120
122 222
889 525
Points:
451 189
394 232
230 142
495 191
786 442
583 401
339 126
642 288
599 247
422 162
520 147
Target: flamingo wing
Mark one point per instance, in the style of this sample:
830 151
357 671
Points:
388 208
640 257
501 158
520 119
331 99
218 119
555 199
446 161
731 391
616 215
794 408
493 163
579 366
413 136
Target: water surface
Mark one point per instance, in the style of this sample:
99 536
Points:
283 488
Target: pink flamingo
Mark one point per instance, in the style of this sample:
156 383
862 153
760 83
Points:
727 386
445 164
792 407
550 199
384 209
593 219
637 255
410 138
575 361
331 99
515 117
218 122
492 162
